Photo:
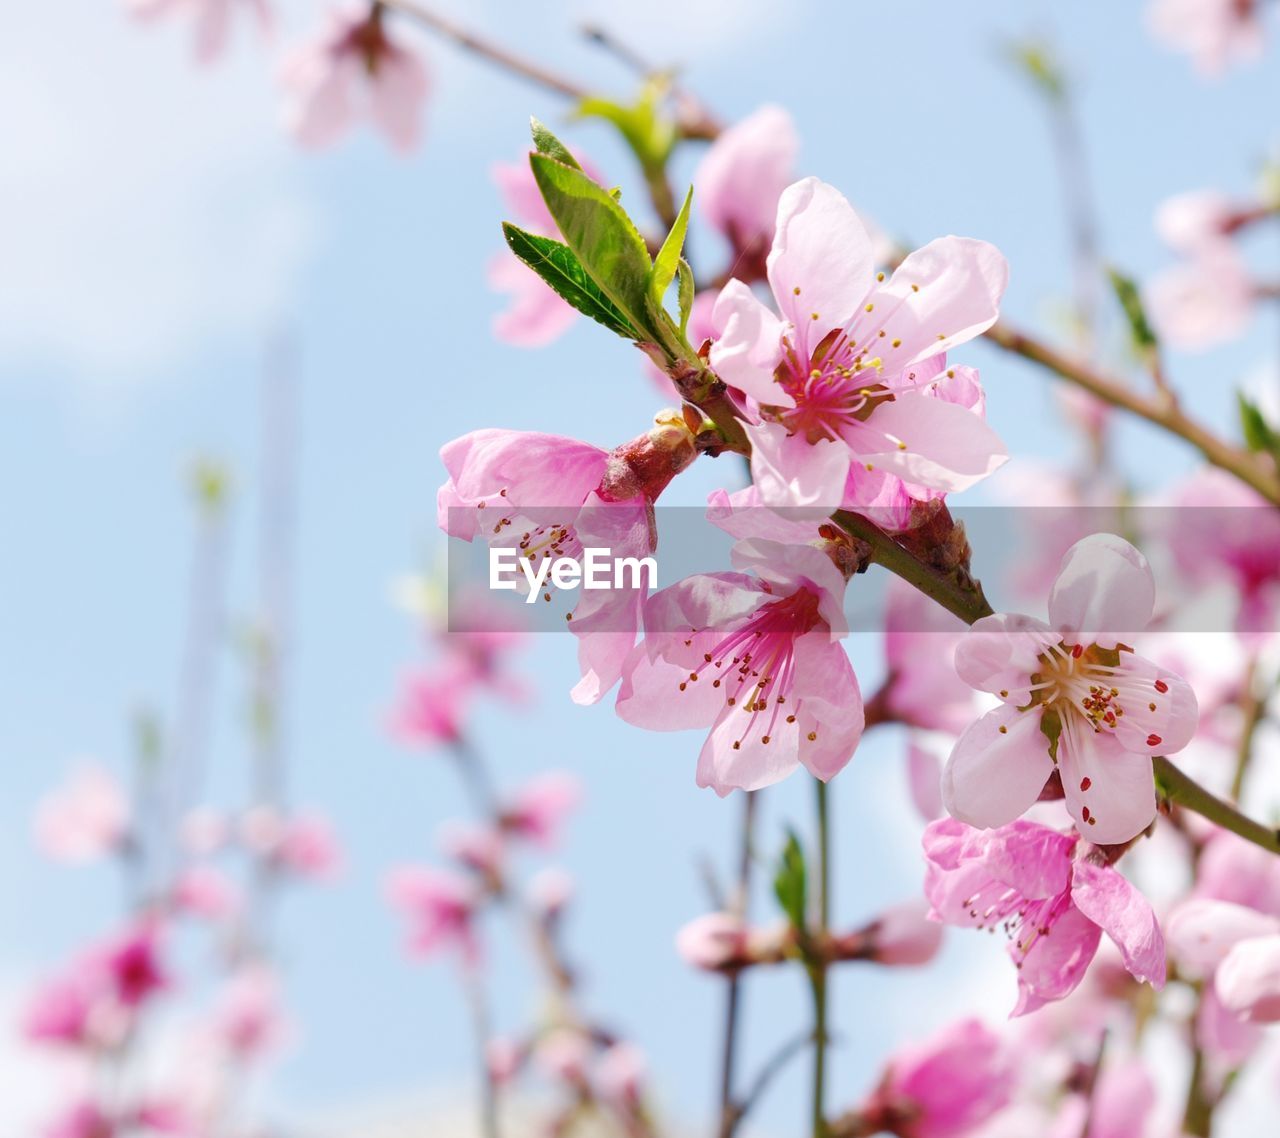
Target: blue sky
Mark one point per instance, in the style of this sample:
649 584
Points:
159 229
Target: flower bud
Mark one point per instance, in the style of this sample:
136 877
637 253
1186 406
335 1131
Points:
904 935
647 464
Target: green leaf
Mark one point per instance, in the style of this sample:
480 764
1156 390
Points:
559 268
790 882
667 262
1144 337
546 143
602 236
650 135
1038 63
1258 433
685 273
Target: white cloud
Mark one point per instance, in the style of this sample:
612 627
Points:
147 204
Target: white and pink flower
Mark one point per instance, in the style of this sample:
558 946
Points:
1075 701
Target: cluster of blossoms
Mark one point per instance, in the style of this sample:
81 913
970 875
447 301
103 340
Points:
99 1011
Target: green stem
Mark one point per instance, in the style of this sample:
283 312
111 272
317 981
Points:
818 966
1175 786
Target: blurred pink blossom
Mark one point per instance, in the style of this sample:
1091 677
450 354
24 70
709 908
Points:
1204 301
440 907
904 935
85 819
206 891
309 847
538 810
550 891
1214 33
353 70
212 19
711 941
621 1073
922 688
248 1021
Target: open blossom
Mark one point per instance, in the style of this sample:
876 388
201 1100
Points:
248 1021
1215 33
212 19
838 378
1075 700
354 70
1053 894
86 819
944 1087
756 657
1235 947
429 706
742 176
546 497
440 907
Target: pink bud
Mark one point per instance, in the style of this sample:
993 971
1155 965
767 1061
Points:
550 891
904 935
621 1073
712 941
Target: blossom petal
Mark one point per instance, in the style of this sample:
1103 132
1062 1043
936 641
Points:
1053 965
1111 792
1104 591
999 654
828 704
791 471
735 756
929 442
997 768
651 695
1160 709
940 296
747 345
821 264
1109 900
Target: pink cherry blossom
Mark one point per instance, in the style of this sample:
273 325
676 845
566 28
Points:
440 907
1052 893
353 70
1223 531
547 497
756 658
1204 301
86 819
1214 33
836 378
206 891
1195 220
944 1087
1235 947
538 810
741 177
563 1055
429 707
922 688
212 19
620 1075
503 1058
549 892
712 940
1121 1104
1232 869
83 1119
479 848
309 847
248 1021
1075 700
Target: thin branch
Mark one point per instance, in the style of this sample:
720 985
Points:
1175 786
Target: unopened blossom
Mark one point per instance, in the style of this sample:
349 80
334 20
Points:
1214 33
620 1075
712 941
353 70
1204 301
742 175
204 831
440 907
944 1087
546 497
538 810
1196 219
481 848
563 1055
212 19
1234 947
1053 894
85 819
537 314
549 892
835 379
903 936
1075 700
756 657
